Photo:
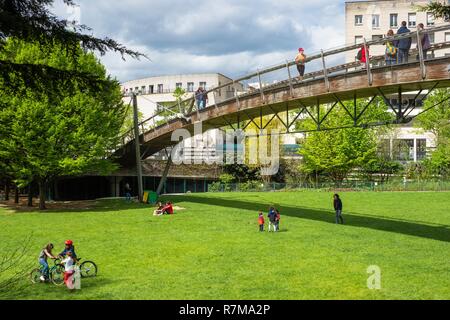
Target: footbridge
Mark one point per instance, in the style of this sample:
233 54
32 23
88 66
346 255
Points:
290 99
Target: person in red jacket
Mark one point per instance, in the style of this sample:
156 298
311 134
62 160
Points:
261 221
168 209
364 55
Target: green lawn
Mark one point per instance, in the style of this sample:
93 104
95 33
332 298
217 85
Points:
213 250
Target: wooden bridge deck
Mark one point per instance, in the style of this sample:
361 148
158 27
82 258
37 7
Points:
278 98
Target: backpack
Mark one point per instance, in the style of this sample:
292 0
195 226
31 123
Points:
359 55
391 51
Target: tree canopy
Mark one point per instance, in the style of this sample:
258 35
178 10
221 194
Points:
437 120
32 21
45 135
337 152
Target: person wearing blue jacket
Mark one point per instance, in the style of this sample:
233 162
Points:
404 45
68 247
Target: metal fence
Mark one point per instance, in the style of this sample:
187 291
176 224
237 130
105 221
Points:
403 186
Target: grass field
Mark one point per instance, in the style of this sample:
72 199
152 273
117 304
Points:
213 250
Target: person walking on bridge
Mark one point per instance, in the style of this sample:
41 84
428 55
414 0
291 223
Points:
200 98
404 45
300 61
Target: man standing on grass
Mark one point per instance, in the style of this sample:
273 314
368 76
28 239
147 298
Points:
338 208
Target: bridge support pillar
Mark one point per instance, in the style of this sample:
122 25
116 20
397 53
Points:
164 176
114 186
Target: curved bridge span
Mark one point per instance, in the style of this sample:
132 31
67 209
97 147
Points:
329 86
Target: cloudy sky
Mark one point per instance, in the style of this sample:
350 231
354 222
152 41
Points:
227 36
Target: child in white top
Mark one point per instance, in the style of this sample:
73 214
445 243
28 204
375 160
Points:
69 265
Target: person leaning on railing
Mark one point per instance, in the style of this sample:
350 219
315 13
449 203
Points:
391 49
404 45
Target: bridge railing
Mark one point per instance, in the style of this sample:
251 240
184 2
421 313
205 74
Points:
183 109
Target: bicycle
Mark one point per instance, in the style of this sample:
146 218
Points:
88 269
56 273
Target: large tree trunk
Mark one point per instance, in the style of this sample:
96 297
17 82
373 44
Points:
16 195
7 190
30 195
42 194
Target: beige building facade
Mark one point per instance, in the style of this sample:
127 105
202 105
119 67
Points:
372 20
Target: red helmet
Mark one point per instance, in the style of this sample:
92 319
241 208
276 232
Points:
69 242
301 49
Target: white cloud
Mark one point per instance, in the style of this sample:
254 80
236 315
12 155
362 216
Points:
228 36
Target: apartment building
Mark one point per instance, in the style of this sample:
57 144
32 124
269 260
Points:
155 92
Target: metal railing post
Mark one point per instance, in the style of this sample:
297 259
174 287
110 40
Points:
367 53
325 72
263 99
423 70
291 87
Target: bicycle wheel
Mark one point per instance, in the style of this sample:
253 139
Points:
57 275
35 275
88 269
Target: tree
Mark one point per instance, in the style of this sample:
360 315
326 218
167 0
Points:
439 10
253 144
32 21
15 267
47 135
335 153
437 120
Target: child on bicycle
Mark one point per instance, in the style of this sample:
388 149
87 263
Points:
46 252
69 248
69 269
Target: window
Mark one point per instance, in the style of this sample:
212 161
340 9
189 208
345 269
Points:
393 21
411 20
430 19
143 89
377 37
203 85
421 151
375 21
190 87
447 36
384 149
359 39
403 150
160 88
358 20
178 85
431 35
151 89
136 89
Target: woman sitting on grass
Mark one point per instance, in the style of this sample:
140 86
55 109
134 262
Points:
166 209
158 211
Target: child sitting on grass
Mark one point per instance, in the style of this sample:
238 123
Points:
158 211
261 221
